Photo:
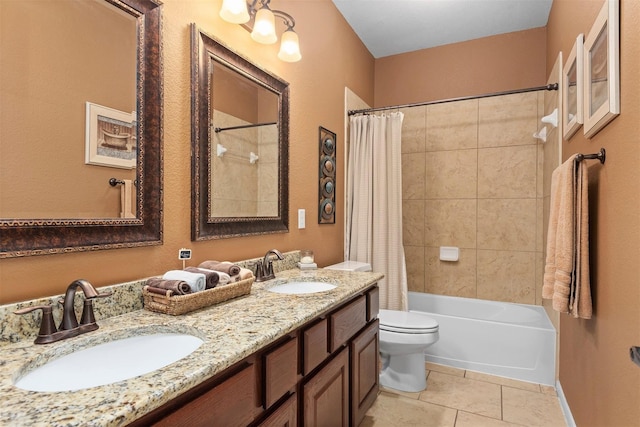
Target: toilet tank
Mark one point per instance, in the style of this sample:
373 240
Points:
350 266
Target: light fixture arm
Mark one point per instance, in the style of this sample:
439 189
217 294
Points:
254 5
288 19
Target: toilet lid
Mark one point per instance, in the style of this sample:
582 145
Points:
407 322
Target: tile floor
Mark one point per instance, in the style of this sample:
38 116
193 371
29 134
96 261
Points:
458 398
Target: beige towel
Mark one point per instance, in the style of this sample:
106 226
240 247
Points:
566 275
245 273
580 302
560 238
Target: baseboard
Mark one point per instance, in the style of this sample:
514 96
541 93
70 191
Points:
564 405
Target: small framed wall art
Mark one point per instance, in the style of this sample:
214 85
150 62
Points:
110 137
327 175
572 103
602 69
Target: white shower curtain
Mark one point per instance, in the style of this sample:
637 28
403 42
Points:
374 203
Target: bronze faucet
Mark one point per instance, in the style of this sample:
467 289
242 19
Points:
69 326
264 267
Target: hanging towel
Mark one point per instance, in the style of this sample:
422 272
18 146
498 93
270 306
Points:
224 266
179 287
566 275
196 281
126 195
211 277
580 302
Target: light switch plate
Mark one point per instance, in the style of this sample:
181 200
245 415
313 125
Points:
301 218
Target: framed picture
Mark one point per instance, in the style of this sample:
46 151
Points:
110 137
602 69
572 103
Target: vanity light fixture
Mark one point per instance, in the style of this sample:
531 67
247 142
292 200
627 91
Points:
255 15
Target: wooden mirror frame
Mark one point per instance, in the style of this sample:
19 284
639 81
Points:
28 237
204 48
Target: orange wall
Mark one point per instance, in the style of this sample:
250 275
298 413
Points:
333 57
43 121
491 64
600 383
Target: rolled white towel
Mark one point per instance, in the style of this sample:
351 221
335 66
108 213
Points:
196 281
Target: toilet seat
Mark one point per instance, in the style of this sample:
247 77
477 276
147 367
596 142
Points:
406 322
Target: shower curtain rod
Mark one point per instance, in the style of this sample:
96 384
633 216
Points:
217 130
553 86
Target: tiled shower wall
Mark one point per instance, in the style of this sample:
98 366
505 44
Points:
472 178
244 188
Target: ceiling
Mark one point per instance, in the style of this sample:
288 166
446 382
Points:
389 27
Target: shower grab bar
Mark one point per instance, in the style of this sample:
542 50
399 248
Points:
601 155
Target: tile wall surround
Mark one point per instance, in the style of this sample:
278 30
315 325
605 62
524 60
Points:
126 297
259 181
472 178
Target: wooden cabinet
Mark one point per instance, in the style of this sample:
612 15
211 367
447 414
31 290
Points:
345 322
233 402
364 371
280 371
315 347
326 395
285 416
324 373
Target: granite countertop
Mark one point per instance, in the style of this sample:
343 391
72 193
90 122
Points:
231 331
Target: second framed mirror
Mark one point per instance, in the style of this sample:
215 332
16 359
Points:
240 144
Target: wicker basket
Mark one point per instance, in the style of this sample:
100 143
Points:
181 304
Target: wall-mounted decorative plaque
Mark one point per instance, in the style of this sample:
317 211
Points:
327 174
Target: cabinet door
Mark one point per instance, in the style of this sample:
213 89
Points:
314 346
326 395
364 372
280 371
285 416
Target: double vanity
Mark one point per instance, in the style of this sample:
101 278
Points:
268 358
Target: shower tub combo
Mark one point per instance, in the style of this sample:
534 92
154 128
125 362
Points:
510 340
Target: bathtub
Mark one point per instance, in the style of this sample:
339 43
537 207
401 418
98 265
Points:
509 340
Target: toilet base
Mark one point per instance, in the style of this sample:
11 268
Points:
404 372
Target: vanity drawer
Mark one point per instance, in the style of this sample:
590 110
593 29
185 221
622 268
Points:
280 371
285 416
346 322
234 402
373 303
314 346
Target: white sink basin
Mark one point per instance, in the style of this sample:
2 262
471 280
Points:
110 362
297 288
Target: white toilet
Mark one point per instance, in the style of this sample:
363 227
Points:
403 338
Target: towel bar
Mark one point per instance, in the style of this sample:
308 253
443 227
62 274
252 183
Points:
601 155
113 182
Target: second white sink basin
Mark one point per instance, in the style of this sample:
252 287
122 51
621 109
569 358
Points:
110 362
297 288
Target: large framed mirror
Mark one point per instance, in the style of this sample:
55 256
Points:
80 125
240 144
